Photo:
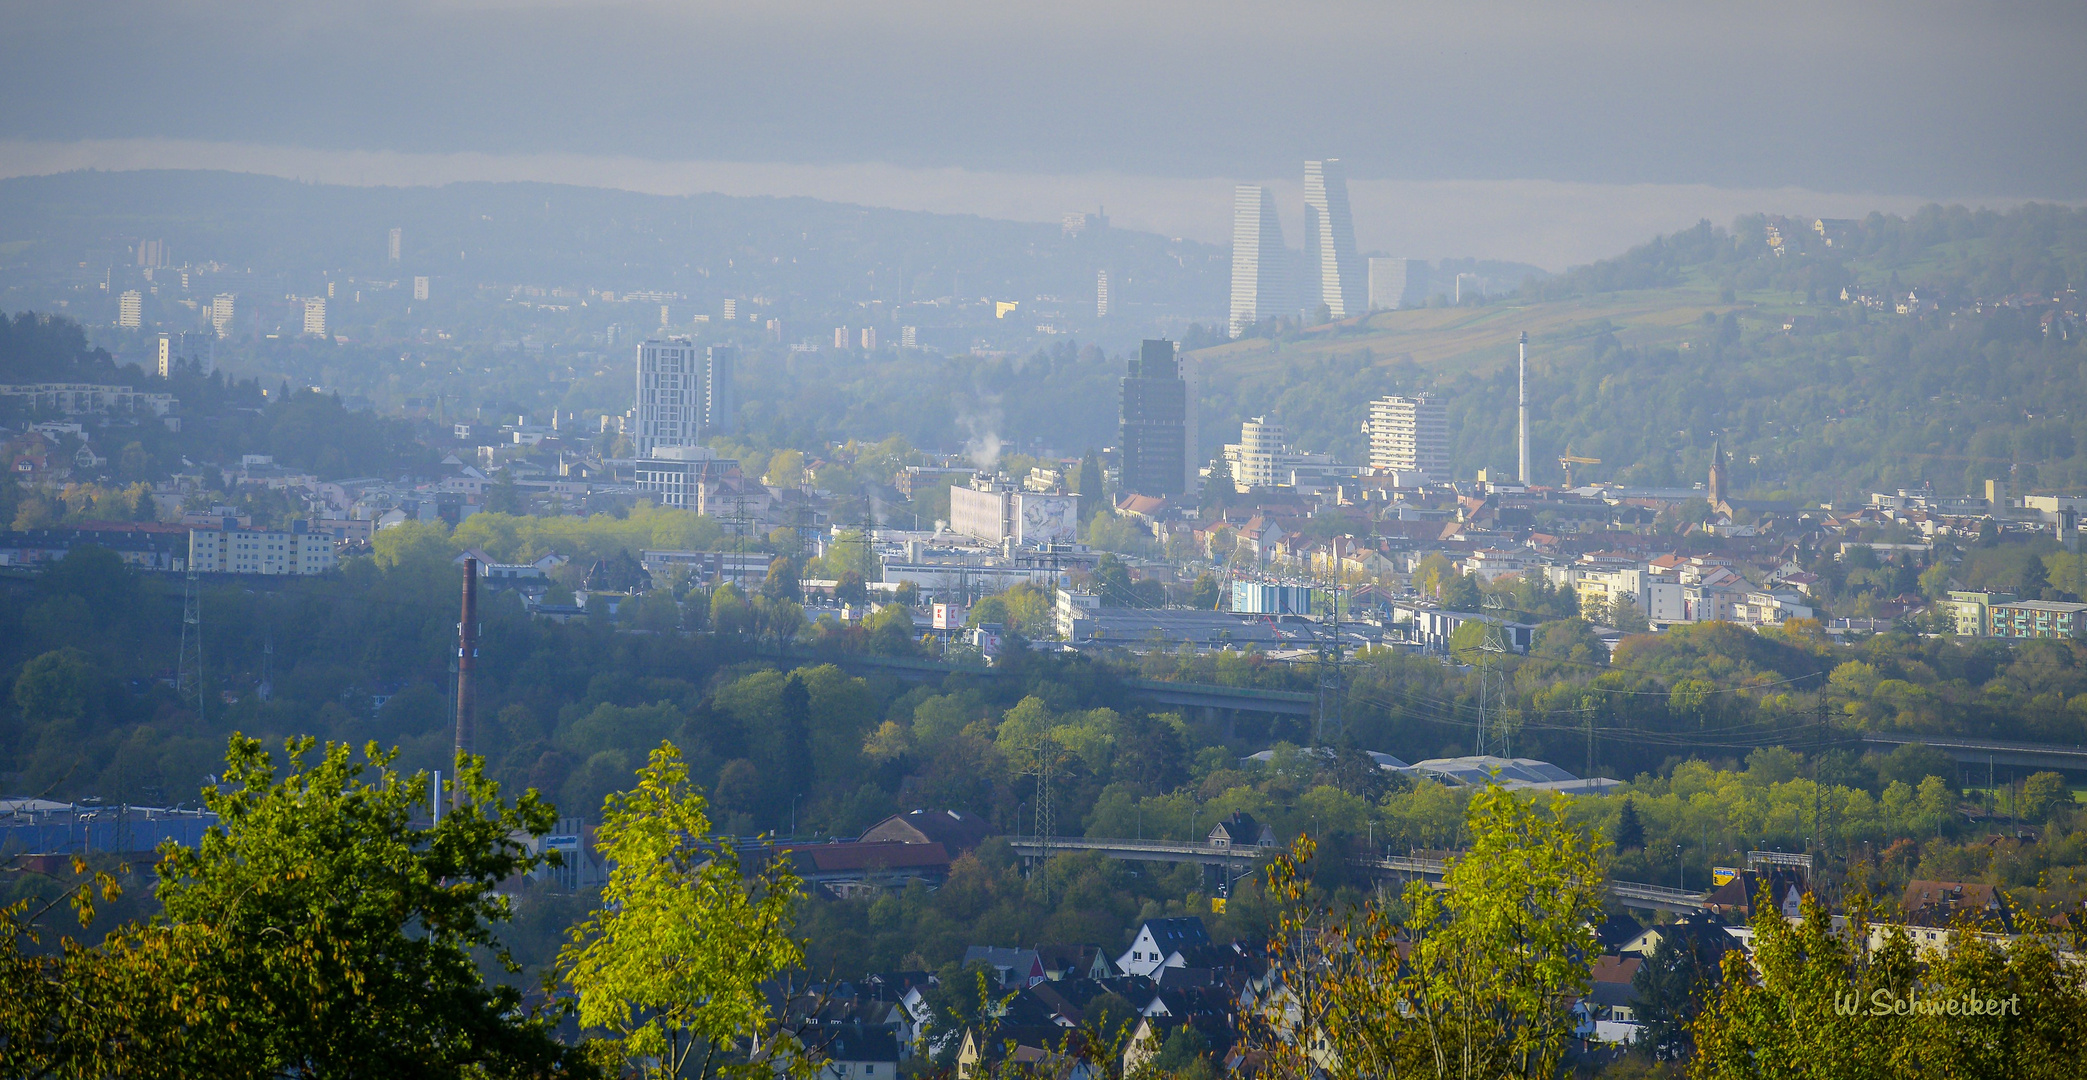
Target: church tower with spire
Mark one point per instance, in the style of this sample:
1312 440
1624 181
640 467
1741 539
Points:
1717 475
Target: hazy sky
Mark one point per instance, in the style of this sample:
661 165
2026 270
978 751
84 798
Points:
1627 107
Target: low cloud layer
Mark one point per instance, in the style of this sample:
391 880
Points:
1919 98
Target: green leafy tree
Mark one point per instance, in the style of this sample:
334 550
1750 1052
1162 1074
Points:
1625 615
1477 979
1112 582
782 583
1460 593
672 963
1219 488
1090 485
418 545
1934 581
1670 987
1207 592
318 930
505 496
1801 1007
2043 794
2032 1019
729 613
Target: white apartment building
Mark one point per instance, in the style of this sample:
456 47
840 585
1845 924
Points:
73 399
1264 458
678 474
130 309
315 316
1410 435
221 313
1253 458
1657 595
229 549
1770 607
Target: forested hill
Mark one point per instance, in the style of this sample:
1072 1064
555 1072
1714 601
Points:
221 418
1711 335
1952 255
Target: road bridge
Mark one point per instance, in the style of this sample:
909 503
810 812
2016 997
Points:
1993 751
1207 696
1236 863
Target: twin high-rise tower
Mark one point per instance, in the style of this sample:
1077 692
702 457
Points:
1260 262
1264 284
1333 272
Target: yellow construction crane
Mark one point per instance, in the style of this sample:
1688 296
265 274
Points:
1567 461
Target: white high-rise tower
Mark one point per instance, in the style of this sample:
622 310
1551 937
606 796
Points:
1260 263
683 395
669 412
1333 271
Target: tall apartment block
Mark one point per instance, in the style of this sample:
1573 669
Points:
683 395
315 316
1260 262
130 309
1333 270
1410 435
221 313
1155 422
1397 284
226 548
1101 294
392 249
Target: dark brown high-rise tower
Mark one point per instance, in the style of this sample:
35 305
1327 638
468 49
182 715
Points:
1155 422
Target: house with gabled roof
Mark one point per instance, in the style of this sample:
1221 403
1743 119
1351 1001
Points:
1160 939
1241 831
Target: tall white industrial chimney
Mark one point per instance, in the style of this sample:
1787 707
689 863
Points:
1522 401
